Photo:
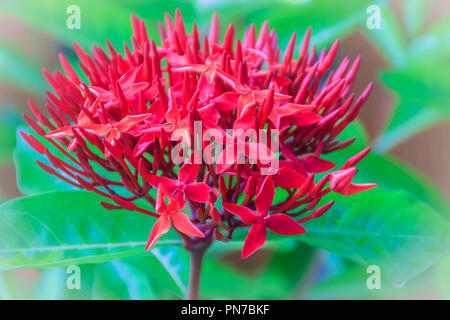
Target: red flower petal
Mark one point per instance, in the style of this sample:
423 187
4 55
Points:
356 188
144 142
288 178
199 192
60 133
161 226
160 204
226 159
188 173
341 180
283 224
255 239
227 101
256 151
304 119
181 221
98 129
244 213
265 196
314 164
129 121
169 184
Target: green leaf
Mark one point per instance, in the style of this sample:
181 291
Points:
284 273
386 228
166 269
136 281
63 228
107 283
175 262
417 78
220 281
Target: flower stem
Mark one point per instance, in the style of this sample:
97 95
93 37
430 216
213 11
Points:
195 272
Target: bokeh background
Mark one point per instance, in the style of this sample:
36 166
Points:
406 120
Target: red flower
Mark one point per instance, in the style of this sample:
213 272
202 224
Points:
135 110
279 223
341 182
111 131
170 214
185 186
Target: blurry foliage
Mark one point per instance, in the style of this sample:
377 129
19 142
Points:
418 76
10 119
404 231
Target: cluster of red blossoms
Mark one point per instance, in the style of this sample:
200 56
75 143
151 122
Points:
123 120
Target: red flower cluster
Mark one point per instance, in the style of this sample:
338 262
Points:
136 107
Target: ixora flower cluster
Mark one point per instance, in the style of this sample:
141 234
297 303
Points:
137 107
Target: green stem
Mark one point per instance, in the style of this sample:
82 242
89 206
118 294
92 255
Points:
195 272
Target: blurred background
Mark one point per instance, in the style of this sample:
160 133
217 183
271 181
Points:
406 120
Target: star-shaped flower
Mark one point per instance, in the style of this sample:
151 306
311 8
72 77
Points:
170 215
279 223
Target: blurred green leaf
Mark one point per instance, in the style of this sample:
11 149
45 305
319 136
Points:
139 277
276 279
423 92
100 19
351 283
329 19
107 283
17 70
9 120
414 14
6 287
420 86
15 285
165 268
31 179
220 281
387 171
284 273
433 45
408 120
386 228
64 228
51 284
389 38
443 278
137 283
